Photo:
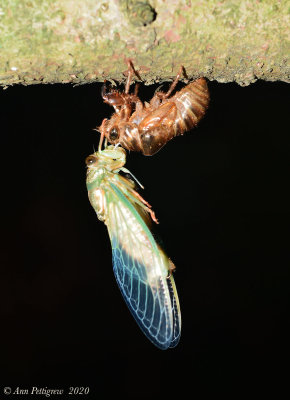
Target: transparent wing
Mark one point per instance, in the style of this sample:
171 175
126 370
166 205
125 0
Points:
175 312
141 271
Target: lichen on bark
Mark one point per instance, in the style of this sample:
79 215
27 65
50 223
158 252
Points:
50 41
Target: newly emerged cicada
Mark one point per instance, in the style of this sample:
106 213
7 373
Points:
148 127
142 269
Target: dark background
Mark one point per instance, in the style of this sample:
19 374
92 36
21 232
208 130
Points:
221 196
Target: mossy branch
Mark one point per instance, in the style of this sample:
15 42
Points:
50 41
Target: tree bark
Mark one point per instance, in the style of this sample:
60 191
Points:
53 41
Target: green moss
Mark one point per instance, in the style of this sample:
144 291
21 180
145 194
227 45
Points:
68 41
138 13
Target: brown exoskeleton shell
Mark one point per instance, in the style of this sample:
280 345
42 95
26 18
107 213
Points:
148 127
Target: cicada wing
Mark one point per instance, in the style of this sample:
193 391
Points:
141 270
147 302
176 314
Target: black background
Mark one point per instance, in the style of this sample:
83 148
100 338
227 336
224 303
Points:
221 196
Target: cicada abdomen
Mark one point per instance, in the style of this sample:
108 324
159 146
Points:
148 127
174 116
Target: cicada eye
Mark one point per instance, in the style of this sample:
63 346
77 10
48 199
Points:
114 134
90 160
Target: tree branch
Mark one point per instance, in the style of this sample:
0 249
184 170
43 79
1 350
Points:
52 41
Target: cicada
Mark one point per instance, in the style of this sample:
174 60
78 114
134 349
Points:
148 127
142 269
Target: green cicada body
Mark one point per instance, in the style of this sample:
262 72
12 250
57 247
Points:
142 269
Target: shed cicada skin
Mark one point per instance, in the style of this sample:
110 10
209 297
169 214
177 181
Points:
147 127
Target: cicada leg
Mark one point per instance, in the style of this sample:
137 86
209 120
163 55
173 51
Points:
136 89
174 83
141 198
159 96
98 200
131 72
172 268
152 214
146 206
102 131
137 198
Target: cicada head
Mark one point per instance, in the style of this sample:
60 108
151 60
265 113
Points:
111 158
110 129
123 132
